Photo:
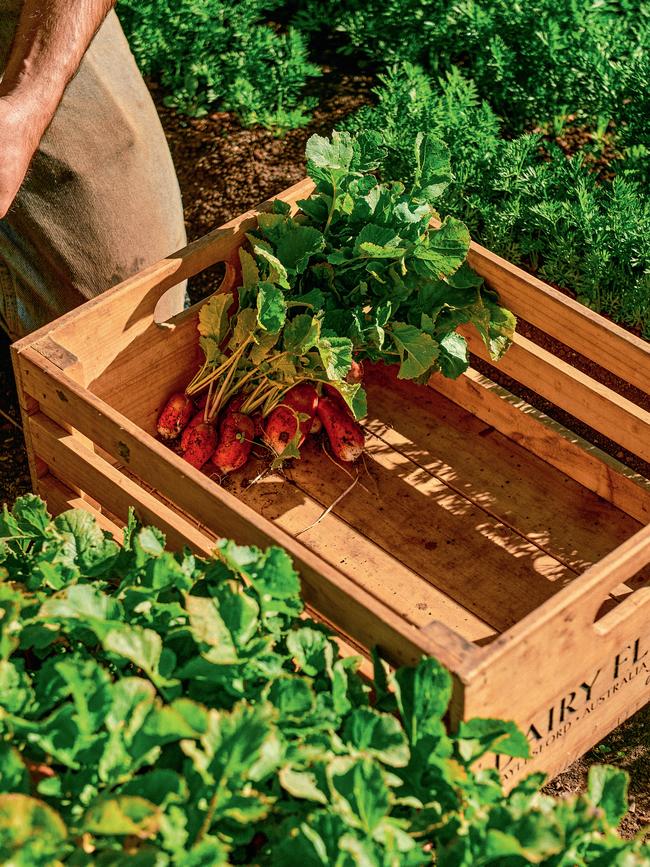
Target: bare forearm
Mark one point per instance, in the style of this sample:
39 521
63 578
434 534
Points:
51 38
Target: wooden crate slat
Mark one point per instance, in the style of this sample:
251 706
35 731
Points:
290 507
510 482
549 440
570 322
78 465
593 403
59 498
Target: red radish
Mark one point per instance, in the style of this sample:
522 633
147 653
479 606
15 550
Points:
236 403
258 421
200 444
280 427
175 416
316 425
331 391
236 434
201 402
345 435
302 398
355 373
187 433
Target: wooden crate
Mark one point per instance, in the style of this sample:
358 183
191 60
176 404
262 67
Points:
480 531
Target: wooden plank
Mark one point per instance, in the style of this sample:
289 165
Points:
327 590
570 322
77 465
549 440
170 362
590 401
442 536
562 674
59 498
509 482
276 498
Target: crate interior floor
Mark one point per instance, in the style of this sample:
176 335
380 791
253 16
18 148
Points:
448 520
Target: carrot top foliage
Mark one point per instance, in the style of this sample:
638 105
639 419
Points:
500 82
164 709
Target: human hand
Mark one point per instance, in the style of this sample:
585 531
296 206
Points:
21 128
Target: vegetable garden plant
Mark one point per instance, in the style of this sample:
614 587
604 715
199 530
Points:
164 709
358 274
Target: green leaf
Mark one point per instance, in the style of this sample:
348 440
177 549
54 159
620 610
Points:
249 269
301 334
297 245
453 359
479 736
433 168
273 271
13 773
29 517
82 602
501 329
214 324
301 784
418 351
208 626
15 687
142 647
422 694
361 792
336 355
292 696
335 154
377 242
123 814
379 735
29 824
244 327
85 543
442 251
607 789
264 343
271 307
312 650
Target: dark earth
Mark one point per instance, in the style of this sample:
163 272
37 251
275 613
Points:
224 170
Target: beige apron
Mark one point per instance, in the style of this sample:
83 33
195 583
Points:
101 200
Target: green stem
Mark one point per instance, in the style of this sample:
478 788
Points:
199 383
331 210
253 396
214 407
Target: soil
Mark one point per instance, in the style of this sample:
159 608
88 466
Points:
223 170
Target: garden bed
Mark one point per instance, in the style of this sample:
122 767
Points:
223 169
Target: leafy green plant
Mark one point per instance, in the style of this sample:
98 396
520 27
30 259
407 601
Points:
222 54
536 62
160 709
523 198
359 270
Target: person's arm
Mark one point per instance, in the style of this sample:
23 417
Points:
51 39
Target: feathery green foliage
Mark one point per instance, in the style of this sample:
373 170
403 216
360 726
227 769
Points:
522 197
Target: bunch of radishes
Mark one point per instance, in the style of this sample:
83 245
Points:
304 409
